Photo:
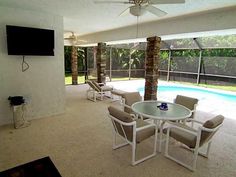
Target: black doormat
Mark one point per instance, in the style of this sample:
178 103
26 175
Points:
39 168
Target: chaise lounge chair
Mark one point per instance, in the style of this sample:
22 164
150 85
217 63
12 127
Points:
97 91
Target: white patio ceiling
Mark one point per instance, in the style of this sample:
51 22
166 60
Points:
87 19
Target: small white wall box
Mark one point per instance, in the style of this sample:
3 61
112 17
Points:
18 107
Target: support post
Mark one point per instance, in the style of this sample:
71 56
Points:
86 62
152 66
168 69
200 59
110 63
101 63
129 63
199 67
74 65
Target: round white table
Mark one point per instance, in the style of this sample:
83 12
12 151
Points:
151 109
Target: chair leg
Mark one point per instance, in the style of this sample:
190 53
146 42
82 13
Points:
117 146
134 146
133 153
94 96
208 149
167 143
91 95
101 96
155 141
206 154
161 135
114 139
193 167
134 161
195 158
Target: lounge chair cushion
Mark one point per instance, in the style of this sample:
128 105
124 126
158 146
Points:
183 137
188 102
212 123
121 115
97 86
190 139
118 92
106 88
131 98
145 133
94 87
125 117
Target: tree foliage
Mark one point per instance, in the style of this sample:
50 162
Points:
215 61
80 56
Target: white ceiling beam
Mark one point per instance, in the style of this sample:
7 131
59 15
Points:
192 25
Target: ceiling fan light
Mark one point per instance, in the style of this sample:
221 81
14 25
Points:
137 10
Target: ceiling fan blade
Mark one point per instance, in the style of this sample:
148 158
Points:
166 1
155 11
111 2
81 40
126 11
67 38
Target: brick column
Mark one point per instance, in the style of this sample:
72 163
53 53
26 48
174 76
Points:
152 66
74 65
101 62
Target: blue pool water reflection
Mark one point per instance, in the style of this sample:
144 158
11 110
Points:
194 92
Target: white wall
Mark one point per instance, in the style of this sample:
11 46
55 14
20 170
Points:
215 20
43 83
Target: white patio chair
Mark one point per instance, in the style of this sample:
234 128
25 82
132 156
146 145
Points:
97 91
192 138
188 102
128 99
131 131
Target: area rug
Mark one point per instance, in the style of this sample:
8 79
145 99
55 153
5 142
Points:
39 168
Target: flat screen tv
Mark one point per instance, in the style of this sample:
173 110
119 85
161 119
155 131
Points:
29 41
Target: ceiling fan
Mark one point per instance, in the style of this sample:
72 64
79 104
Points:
73 39
140 7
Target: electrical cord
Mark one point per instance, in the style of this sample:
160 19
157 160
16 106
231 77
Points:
24 65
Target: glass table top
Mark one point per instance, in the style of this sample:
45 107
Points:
150 109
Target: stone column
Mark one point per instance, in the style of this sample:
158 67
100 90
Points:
74 65
101 62
152 66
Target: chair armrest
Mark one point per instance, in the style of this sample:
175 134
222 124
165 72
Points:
176 125
195 121
145 127
123 103
127 106
210 129
121 122
182 129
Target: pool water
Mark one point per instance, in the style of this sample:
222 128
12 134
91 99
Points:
199 93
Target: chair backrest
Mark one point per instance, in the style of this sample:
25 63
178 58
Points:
123 117
93 86
97 86
210 124
131 98
186 101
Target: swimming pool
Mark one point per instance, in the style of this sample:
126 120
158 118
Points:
199 93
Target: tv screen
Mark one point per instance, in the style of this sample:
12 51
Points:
29 41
